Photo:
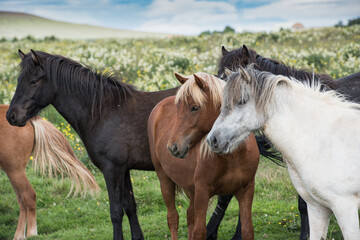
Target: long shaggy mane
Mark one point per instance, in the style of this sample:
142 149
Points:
261 85
96 88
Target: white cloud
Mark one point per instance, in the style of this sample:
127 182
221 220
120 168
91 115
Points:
187 16
193 17
312 13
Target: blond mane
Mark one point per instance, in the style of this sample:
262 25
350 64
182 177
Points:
205 150
191 90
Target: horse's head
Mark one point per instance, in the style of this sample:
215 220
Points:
240 112
198 102
33 91
234 59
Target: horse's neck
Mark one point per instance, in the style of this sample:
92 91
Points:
295 124
269 65
317 141
73 110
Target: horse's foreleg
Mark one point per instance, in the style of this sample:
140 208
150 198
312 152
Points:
216 218
245 199
305 232
346 213
130 209
319 217
114 178
201 201
168 192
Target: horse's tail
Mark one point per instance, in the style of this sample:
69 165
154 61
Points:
268 151
53 155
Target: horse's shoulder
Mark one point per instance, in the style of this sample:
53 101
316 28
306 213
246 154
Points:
163 111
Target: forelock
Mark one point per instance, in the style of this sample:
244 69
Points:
191 90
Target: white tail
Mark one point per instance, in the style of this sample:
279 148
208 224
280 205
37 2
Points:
53 155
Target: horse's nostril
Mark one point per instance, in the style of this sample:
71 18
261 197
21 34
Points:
12 117
213 141
174 148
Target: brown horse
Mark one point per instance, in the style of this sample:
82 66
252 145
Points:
179 125
52 154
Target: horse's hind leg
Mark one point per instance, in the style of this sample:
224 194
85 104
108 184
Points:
190 216
245 199
319 217
130 209
26 197
216 218
346 213
20 229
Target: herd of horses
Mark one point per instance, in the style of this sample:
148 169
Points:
123 129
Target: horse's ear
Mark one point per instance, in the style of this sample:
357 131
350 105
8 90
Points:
35 57
21 54
224 51
244 74
245 51
200 82
181 78
227 72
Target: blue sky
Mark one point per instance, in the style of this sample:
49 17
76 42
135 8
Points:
191 16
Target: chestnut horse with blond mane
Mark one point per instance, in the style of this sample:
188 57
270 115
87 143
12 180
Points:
179 125
52 155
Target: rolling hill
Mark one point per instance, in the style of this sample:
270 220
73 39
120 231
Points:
14 24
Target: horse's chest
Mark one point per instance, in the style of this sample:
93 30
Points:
231 182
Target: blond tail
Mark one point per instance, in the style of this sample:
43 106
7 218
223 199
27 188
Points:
53 155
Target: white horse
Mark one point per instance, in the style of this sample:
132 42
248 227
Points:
317 132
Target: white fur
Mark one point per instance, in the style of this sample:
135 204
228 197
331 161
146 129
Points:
319 138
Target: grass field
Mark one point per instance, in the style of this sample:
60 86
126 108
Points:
275 214
150 64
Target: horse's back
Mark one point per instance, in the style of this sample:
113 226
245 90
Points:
350 86
16 143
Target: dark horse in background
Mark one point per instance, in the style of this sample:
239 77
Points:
349 86
109 116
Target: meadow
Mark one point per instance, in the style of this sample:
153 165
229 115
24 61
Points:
150 64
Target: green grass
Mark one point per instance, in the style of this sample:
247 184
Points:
275 214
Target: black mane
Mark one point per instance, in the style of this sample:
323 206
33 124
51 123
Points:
95 88
279 68
238 57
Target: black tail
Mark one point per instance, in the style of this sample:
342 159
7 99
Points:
267 150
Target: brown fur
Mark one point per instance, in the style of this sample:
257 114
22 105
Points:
200 177
17 144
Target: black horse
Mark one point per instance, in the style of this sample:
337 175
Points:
109 116
349 86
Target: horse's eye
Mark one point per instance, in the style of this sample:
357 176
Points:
34 81
195 108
